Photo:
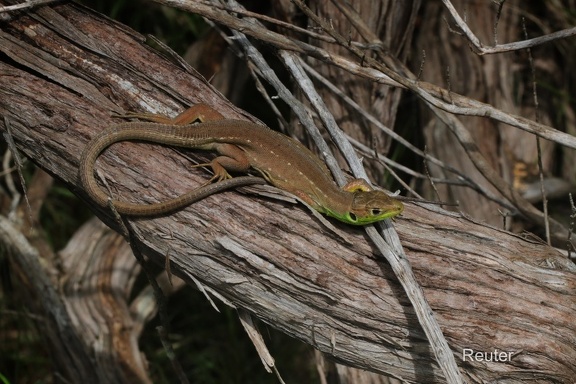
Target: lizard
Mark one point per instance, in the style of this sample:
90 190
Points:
241 145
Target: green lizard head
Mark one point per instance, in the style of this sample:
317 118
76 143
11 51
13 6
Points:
368 207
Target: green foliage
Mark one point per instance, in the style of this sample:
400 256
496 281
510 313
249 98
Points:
3 379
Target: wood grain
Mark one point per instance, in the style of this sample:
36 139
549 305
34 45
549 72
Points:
64 70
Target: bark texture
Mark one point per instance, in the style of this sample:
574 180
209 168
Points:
393 24
504 80
63 71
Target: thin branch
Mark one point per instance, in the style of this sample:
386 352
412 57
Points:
446 102
461 181
19 165
527 209
481 49
569 245
163 329
395 255
25 5
497 20
538 145
281 24
370 118
430 93
464 180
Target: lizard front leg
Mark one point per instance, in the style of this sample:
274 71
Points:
357 185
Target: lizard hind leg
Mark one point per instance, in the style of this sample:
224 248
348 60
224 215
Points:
220 173
231 158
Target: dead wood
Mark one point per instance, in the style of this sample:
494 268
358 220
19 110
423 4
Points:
63 71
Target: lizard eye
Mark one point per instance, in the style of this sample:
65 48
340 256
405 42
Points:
376 212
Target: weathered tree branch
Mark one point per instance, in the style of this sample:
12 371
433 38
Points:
482 49
64 70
